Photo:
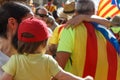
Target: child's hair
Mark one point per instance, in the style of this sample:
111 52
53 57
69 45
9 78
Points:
32 34
30 47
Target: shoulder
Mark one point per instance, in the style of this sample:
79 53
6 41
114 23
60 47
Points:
48 57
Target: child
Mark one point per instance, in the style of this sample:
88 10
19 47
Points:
31 63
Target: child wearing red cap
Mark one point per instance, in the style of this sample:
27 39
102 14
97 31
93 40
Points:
31 63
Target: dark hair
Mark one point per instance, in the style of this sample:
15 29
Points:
85 7
39 8
11 9
55 14
30 47
16 10
49 0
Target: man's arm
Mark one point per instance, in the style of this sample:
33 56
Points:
90 18
62 58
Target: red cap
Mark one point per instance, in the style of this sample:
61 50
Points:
36 27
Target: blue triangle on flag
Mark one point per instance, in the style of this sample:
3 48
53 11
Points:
116 2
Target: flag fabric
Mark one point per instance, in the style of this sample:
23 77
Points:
96 56
117 3
108 35
108 8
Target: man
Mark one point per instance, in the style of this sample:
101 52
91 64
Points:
87 49
11 14
66 13
41 13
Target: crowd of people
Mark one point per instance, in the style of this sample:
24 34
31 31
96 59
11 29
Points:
50 43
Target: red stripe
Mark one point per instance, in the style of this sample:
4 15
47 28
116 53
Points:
116 12
91 51
112 7
102 8
61 27
112 62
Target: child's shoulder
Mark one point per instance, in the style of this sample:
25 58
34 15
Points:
47 55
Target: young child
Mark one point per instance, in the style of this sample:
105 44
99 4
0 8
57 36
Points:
31 63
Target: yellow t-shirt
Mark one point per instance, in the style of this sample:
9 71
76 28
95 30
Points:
54 39
32 67
74 41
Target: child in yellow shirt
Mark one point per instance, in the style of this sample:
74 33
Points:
31 63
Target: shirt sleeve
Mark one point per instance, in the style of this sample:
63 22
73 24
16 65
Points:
10 66
66 41
53 66
54 38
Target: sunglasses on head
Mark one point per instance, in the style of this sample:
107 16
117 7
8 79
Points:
42 15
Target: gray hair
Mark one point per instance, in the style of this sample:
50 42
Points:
85 7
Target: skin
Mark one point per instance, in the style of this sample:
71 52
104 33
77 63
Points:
6 45
12 27
61 75
62 57
42 11
90 18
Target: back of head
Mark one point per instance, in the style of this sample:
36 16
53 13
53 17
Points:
41 8
32 33
14 10
50 0
85 7
116 20
11 9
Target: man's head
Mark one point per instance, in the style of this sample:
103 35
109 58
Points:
85 7
11 14
41 13
51 1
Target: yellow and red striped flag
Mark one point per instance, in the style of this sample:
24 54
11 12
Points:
108 8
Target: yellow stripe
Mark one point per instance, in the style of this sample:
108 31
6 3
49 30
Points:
52 8
106 8
111 12
80 50
118 71
102 64
103 2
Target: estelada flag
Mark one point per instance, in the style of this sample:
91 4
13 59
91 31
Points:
108 8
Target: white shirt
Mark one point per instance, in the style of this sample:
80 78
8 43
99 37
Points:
3 59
